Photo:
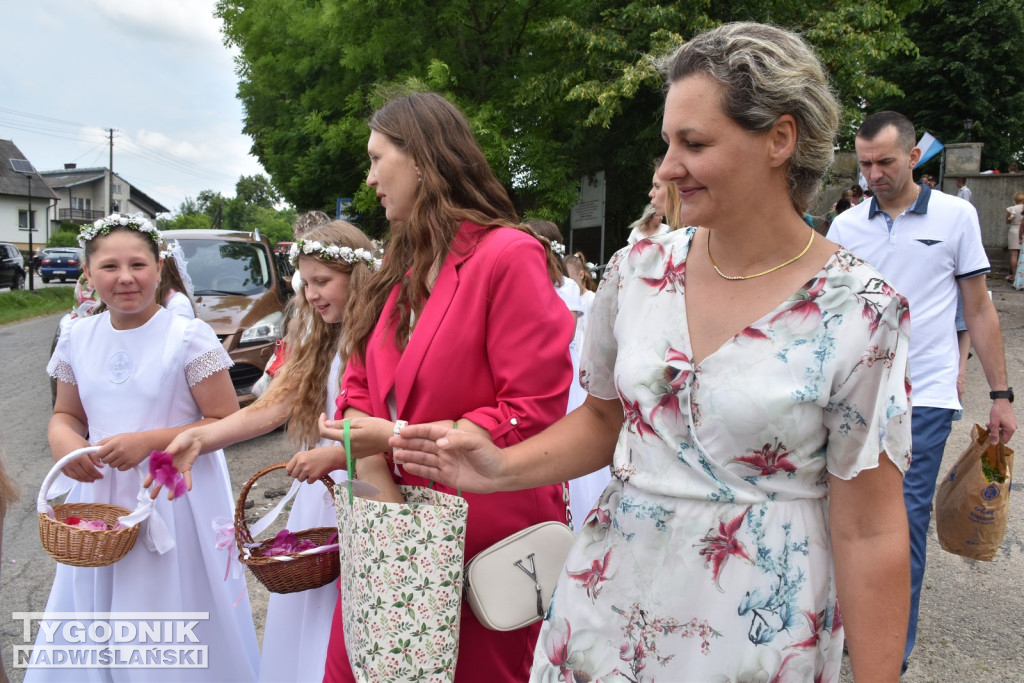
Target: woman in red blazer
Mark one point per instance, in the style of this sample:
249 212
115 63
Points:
461 324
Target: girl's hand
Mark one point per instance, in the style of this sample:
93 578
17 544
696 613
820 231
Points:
84 468
123 451
309 466
458 458
186 449
367 435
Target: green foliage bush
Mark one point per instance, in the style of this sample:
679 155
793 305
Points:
21 304
65 236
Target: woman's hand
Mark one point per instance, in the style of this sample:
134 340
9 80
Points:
367 435
460 459
185 449
84 468
123 451
309 466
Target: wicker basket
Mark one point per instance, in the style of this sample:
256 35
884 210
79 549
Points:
299 572
82 547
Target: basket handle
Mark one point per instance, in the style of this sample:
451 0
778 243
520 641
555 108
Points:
42 504
243 536
157 538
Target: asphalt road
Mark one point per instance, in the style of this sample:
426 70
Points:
970 611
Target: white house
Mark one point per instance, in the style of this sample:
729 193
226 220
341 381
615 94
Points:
85 194
25 198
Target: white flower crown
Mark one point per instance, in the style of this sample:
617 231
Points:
332 252
558 248
136 222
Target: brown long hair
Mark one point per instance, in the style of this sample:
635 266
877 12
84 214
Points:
302 382
578 261
456 185
548 233
171 281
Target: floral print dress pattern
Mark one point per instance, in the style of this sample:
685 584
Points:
708 556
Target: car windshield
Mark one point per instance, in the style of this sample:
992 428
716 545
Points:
226 267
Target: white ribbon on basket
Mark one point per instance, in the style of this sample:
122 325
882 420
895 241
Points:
156 537
261 525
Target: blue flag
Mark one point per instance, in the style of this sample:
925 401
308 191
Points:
929 147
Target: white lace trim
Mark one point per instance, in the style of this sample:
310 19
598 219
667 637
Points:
205 364
61 370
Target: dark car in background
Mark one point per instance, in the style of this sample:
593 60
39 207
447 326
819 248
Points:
241 288
60 264
12 266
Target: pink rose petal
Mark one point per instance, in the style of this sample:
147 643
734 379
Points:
163 471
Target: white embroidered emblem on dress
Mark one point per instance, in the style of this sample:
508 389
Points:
119 367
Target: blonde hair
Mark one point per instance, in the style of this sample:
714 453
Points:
302 382
767 72
8 489
1018 198
673 208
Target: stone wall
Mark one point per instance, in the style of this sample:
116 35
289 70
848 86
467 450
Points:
991 193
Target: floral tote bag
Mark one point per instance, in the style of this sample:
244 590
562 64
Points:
401 581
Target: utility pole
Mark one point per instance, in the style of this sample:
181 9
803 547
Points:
31 227
110 177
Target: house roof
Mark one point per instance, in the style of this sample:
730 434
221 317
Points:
71 177
140 198
17 184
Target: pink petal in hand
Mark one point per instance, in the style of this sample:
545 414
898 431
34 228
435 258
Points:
163 471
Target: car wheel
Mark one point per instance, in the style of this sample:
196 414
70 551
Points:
62 280
19 281
46 280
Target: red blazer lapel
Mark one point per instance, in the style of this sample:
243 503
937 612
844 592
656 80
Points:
433 313
386 357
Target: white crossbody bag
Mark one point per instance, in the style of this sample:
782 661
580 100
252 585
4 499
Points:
509 585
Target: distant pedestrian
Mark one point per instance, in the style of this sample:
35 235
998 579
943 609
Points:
928 244
856 194
1013 221
962 191
653 221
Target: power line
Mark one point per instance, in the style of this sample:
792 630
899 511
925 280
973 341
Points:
132 146
41 118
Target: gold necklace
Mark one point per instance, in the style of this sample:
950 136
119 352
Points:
763 272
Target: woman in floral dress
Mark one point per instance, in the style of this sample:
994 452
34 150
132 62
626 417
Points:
748 382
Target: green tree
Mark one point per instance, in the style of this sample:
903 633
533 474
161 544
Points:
257 190
553 89
212 204
969 66
187 217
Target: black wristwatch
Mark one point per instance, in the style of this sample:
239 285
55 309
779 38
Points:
1008 394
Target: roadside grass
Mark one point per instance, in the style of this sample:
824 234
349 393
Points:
21 304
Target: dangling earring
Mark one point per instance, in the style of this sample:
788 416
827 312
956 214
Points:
419 177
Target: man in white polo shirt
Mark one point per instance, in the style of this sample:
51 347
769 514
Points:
928 245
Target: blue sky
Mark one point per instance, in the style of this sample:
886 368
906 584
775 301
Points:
157 71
